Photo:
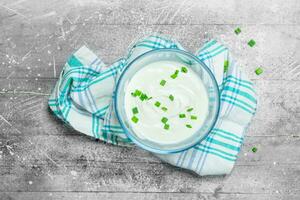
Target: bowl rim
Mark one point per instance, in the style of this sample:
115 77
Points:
135 139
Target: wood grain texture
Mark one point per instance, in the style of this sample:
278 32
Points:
41 158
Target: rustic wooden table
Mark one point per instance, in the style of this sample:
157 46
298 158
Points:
40 158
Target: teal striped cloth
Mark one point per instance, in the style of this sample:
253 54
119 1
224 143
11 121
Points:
83 96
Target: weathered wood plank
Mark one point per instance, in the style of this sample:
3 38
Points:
33 53
154 12
146 177
138 196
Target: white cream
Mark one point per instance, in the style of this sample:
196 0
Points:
188 91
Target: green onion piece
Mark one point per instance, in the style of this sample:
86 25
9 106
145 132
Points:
162 82
171 97
167 126
184 69
136 93
164 109
251 43
143 97
164 120
135 110
226 65
157 103
134 119
189 109
188 126
259 71
173 76
149 98
193 117
254 149
182 116
237 31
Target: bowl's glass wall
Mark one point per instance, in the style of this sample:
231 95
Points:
187 60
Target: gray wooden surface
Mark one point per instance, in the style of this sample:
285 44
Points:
40 158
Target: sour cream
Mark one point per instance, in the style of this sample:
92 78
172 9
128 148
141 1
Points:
188 92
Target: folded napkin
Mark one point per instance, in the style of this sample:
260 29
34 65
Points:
83 96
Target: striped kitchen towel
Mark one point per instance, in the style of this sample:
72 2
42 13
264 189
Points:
83 96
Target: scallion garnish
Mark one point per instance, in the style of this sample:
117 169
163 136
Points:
188 126
166 126
254 149
134 119
171 97
237 31
184 69
226 65
259 71
193 117
157 103
190 109
164 120
143 97
135 110
164 109
173 76
182 115
251 43
136 93
162 82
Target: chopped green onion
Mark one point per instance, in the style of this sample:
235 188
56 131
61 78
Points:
135 110
259 71
254 149
237 31
136 93
143 97
134 119
149 98
184 69
164 109
173 76
164 120
189 109
226 65
251 43
157 103
162 82
171 97
193 117
182 116
188 126
166 126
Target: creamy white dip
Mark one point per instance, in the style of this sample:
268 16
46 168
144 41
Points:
188 92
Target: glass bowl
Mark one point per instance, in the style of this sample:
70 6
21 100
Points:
188 60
